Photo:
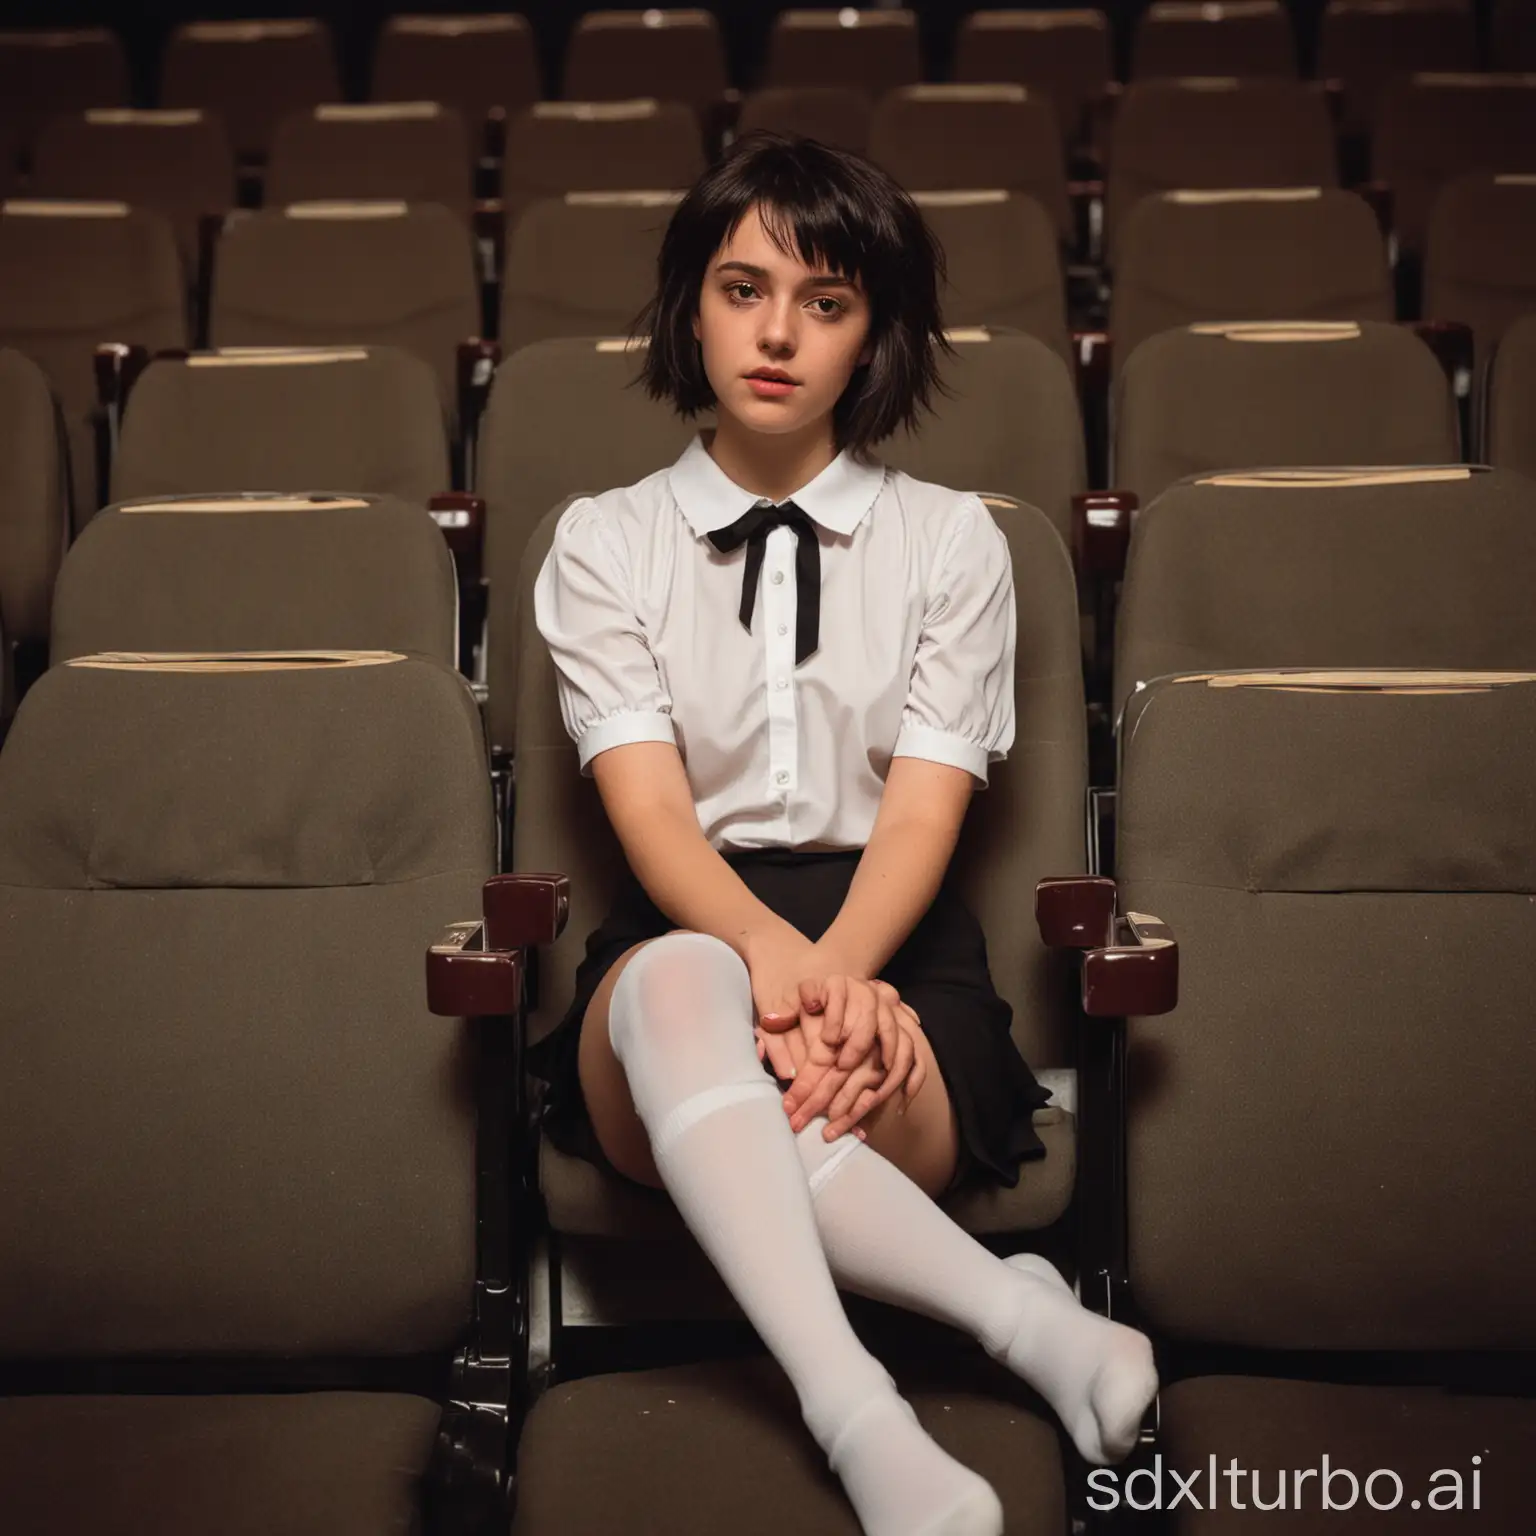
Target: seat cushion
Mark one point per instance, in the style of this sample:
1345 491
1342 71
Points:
721 1447
1270 1426
584 1200
307 1464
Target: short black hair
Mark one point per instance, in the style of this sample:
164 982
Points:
838 211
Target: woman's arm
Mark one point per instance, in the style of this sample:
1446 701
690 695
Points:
916 828
645 791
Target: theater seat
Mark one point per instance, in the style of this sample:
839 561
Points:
836 114
469 62
1222 397
1008 422
582 265
284 419
75 275
1355 931
1278 253
349 274
537 450
873 50
1002 257
1480 255
258 573
1393 566
673 55
238 1156
623 1254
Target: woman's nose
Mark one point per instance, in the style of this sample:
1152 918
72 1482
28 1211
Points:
777 334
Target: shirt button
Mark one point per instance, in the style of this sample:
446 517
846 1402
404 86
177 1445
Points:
783 682
782 776
783 629
778 578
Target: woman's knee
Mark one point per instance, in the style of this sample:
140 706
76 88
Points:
664 985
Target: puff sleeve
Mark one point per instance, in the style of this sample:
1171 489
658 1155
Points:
611 692
959 707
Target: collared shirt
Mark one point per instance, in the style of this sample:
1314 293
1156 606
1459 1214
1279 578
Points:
640 613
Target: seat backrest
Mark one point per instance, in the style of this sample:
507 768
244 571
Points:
565 418
947 137
348 274
838 115
875 50
673 55
1298 253
1215 133
176 162
48 71
1066 54
258 573
34 511
249 855
1219 397
416 151
1380 567
1480 255
74 275
252 73
1007 423
557 147
470 63
1431 129
1365 43
1180 38
340 419
1027 823
1003 261
1510 430
582 265
1356 932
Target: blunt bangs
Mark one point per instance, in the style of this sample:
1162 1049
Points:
833 210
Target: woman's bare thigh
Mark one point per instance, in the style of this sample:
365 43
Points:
620 1131
923 1143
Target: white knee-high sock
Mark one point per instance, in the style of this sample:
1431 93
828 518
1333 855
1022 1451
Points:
884 1238
681 1024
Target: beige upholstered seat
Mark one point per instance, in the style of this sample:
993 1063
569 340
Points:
285 419
1355 927
1220 397
237 1154
1388 566
349 274
258 573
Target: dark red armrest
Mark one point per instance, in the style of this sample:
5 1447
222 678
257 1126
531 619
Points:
1101 531
461 517
477 968
1130 960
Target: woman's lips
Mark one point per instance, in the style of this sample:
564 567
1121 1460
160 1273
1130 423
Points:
770 389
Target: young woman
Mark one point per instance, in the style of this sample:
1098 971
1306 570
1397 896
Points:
787 668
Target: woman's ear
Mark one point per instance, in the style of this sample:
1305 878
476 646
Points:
698 335
867 356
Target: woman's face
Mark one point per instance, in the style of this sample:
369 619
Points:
780 339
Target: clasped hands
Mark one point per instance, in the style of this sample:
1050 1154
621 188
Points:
847 1042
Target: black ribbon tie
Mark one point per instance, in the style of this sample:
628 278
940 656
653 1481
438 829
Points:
753 530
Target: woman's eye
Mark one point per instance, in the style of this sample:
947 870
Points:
827 307
741 292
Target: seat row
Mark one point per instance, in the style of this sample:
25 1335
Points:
273 1241
1204 132
1191 401
255 72
80 275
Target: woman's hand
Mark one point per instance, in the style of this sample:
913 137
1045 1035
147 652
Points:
778 963
860 1043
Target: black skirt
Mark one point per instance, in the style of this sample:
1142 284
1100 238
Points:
941 971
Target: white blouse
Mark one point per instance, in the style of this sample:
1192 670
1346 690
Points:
640 613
